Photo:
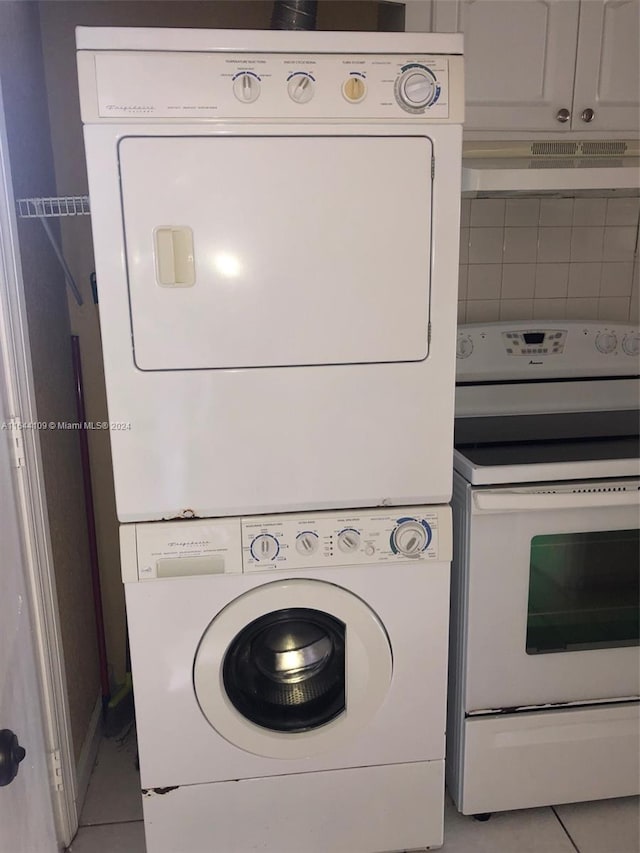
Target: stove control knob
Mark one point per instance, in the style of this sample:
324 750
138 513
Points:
307 543
348 540
265 547
410 537
464 347
606 342
631 344
300 88
246 87
416 88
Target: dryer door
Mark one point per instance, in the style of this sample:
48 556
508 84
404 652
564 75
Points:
292 668
265 251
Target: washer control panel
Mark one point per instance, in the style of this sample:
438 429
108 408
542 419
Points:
325 539
176 549
152 85
548 349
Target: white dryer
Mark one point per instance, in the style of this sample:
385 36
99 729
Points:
290 680
275 221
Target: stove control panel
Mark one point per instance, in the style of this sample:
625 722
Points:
547 349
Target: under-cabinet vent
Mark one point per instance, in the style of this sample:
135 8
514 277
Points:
557 149
601 148
612 148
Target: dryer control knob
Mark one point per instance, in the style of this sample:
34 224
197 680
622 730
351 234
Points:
300 88
410 537
416 88
606 342
265 547
354 89
246 87
631 344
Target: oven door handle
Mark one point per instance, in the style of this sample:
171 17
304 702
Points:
503 500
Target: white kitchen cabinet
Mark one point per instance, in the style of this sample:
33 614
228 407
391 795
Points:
608 66
531 63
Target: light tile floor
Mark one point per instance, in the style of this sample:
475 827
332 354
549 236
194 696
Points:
111 820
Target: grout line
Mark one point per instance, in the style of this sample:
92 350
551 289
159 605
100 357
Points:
568 834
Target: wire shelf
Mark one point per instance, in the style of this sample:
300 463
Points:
36 208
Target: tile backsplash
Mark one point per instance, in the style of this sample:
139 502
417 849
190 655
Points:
549 258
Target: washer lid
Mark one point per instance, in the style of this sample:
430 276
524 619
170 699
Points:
292 668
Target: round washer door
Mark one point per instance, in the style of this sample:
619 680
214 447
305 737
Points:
292 668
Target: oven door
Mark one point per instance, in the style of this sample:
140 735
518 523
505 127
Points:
552 595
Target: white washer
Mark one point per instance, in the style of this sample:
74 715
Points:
290 680
278 332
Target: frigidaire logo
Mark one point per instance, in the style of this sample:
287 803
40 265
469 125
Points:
531 361
187 544
129 107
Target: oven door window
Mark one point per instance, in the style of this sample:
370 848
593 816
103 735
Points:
583 591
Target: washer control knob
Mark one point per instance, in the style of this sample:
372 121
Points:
606 342
300 88
348 540
464 347
265 547
410 537
416 88
631 344
246 87
369 550
354 89
307 543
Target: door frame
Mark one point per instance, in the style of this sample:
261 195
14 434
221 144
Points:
32 510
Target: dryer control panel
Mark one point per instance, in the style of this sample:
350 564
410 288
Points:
288 542
194 86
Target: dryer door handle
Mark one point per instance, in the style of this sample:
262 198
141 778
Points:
175 262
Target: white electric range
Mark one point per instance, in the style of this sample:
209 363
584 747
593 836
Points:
545 665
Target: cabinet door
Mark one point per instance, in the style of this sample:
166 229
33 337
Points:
607 75
519 60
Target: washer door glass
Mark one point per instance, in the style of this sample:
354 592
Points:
286 670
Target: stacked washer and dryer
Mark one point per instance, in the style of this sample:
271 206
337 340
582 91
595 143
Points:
275 219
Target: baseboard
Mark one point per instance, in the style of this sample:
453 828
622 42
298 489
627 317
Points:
88 755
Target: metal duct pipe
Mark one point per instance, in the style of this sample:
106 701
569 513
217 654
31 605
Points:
294 15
